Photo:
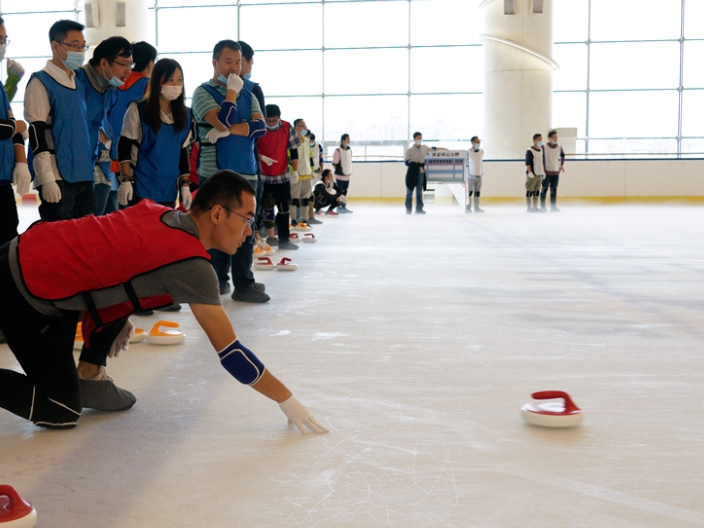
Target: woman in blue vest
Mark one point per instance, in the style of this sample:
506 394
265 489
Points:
156 135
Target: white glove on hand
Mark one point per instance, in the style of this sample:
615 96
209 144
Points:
21 178
15 68
124 193
234 82
104 156
216 134
122 341
186 197
294 177
299 415
267 160
51 192
531 175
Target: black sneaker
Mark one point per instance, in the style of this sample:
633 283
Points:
145 313
250 295
173 307
225 288
260 286
287 245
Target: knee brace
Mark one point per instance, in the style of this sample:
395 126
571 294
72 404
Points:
241 362
296 202
269 214
553 191
529 194
305 202
469 193
476 193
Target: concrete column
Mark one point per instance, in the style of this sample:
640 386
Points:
518 68
139 22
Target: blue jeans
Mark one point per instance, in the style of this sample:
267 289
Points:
419 194
105 199
77 200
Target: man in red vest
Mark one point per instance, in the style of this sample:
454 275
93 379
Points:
106 268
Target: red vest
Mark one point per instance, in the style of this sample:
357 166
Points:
274 144
60 260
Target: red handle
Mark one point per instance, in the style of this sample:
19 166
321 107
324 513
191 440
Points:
16 508
548 395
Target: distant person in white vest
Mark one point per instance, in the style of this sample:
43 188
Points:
476 171
415 175
535 172
342 161
554 158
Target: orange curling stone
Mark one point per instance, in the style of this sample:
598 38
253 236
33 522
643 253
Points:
552 413
157 336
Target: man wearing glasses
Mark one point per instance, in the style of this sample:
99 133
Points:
61 147
156 256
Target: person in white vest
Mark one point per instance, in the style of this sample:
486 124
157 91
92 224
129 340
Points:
476 171
535 172
554 158
301 180
342 161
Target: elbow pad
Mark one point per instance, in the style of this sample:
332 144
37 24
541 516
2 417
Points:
37 137
241 362
257 128
228 114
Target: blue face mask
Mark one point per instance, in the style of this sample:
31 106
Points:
248 75
304 132
74 59
540 143
477 146
115 81
222 79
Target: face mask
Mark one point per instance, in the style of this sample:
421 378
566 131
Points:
74 59
328 183
418 142
171 93
312 143
114 81
248 75
476 147
3 49
303 132
275 127
540 143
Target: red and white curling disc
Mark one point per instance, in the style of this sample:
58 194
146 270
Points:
552 413
15 512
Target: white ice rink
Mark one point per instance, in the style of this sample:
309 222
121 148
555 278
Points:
415 340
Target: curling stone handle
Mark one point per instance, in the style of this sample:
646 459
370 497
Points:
548 395
17 507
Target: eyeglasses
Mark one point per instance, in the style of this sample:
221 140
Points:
75 46
129 65
249 220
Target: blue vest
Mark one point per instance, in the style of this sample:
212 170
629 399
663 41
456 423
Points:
96 104
69 129
157 170
236 152
118 109
7 151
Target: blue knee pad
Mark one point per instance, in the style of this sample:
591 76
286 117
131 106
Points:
241 362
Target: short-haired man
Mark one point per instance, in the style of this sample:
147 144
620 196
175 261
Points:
134 88
535 172
144 256
229 121
415 175
55 109
474 178
554 158
106 71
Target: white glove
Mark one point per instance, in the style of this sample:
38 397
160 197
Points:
267 160
15 68
234 82
186 197
103 156
51 192
299 415
531 175
294 177
25 134
124 193
22 178
216 134
122 341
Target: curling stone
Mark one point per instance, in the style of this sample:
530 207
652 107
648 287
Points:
138 336
15 512
78 340
552 413
157 336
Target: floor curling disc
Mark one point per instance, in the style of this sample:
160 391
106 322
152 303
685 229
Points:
157 336
15 512
138 336
552 413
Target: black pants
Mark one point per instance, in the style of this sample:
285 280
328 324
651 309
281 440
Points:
280 195
77 201
550 182
8 214
322 201
48 393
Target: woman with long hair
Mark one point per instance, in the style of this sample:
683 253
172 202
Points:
342 161
156 135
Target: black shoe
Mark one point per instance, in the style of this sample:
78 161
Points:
224 288
101 393
420 211
288 245
272 241
145 313
260 286
173 307
313 221
250 295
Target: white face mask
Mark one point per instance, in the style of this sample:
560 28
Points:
3 49
171 93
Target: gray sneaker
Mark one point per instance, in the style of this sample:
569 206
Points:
287 245
313 221
261 287
272 241
101 393
250 295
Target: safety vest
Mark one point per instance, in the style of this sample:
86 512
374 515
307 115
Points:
7 150
274 144
344 168
61 260
96 107
235 152
69 129
118 109
157 170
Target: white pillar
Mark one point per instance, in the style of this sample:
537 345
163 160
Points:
139 22
518 68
